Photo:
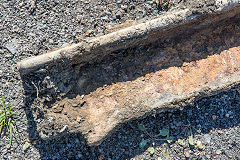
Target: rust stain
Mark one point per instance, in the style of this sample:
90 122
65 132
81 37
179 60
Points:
183 80
106 106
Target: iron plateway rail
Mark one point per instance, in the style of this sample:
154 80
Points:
174 87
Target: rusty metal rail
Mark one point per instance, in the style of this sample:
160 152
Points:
174 87
191 72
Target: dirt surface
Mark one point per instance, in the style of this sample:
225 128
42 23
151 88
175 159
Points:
31 27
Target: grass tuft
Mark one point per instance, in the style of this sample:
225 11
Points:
8 119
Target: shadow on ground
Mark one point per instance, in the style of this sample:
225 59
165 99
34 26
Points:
124 144
48 86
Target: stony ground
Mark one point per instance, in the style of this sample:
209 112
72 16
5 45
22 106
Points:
32 27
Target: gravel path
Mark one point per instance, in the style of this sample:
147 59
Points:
32 27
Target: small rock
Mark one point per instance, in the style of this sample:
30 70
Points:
41 71
64 129
50 117
74 104
31 34
119 14
42 135
48 99
79 155
77 141
12 46
207 138
1 52
119 1
218 151
80 97
51 41
187 155
57 109
87 33
26 146
230 113
198 143
78 119
124 7
214 117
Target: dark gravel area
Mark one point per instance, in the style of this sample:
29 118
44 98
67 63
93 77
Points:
32 27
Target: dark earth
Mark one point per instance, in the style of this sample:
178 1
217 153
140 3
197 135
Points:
32 27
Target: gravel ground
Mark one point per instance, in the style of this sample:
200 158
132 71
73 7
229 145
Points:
32 27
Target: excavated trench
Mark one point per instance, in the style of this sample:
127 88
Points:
185 63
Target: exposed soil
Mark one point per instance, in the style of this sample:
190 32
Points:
32 27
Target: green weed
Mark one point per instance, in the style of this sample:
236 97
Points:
8 119
163 4
163 133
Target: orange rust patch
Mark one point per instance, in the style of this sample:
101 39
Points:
126 100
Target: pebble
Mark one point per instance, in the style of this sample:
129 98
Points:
207 138
51 41
12 47
42 135
64 129
187 155
119 1
57 109
50 117
79 155
119 14
124 7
